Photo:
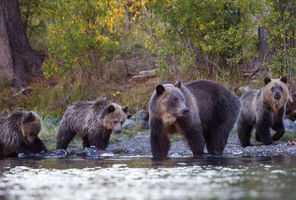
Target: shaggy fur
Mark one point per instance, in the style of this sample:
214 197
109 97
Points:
263 109
203 111
93 121
19 134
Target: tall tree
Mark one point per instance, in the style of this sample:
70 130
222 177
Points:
19 63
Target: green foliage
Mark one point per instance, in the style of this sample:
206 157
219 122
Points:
176 138
289 135
81 33
125 135
280 20
204 33
33 17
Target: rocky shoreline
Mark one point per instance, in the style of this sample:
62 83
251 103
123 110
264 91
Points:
140 145
135 141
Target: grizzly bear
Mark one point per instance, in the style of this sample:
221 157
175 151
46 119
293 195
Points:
19 134
93 121
203 111
263 109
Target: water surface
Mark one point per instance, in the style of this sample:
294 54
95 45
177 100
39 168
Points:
140 178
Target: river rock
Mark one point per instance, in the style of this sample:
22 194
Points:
129 124
53 121
141 114
143 123
289 124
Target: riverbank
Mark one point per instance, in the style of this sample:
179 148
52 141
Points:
134 140
139 145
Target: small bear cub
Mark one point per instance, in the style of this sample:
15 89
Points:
19 134
93 121
263 109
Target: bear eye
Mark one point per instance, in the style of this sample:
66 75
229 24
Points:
281 89
176 99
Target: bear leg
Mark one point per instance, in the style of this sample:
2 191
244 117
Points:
218 137
64 137
280 130
106 140
195 142
278 125
257 137
193 135
244 131
38 146
96 139
22 148
262 129
85 142
207 138
159 141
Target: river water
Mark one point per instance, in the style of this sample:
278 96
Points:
141 178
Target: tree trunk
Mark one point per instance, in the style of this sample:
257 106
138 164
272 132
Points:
263 50
6 67
18 61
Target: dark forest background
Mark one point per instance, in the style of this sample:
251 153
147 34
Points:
53 53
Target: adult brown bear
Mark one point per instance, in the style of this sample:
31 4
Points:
203 111
263 109
19 134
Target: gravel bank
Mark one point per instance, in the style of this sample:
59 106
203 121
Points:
140 145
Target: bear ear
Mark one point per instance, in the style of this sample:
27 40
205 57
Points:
284 79
178 84
159 89
111 109
125 109
30 117
267 80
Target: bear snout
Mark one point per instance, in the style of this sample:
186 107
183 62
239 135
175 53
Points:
185 111
118 130
277 96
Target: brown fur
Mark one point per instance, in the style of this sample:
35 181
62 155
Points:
93 121
203 111
268 98
262 111
19 134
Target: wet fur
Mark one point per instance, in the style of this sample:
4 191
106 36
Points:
91 121
213 112
262 112
13 132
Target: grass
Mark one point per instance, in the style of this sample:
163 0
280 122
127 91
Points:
234 131
289 135
176 137
124 135
49 130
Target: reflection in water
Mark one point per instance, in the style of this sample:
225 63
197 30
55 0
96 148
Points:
141 178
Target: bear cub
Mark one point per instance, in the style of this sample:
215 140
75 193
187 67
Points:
263 109
93 121
19 134
203 111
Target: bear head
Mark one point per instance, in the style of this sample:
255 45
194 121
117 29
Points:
30 126
276 92
114 116
170 102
